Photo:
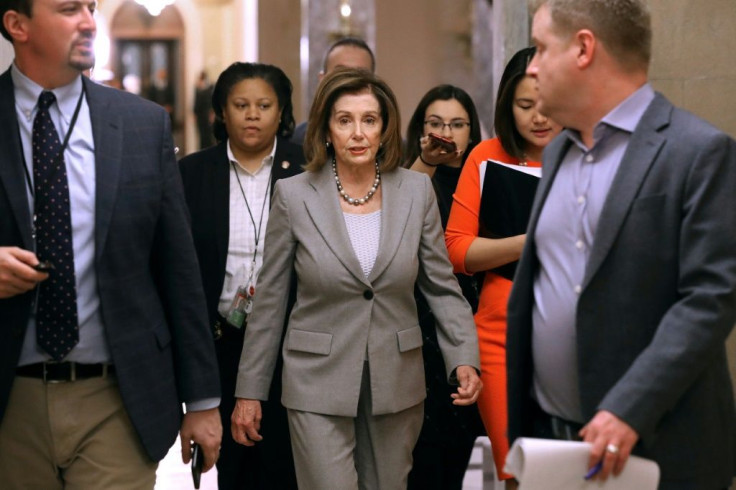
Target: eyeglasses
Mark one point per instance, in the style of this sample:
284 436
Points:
439 124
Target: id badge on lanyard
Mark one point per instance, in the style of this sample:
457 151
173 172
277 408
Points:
242 303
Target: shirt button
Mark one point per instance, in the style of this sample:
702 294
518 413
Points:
368 294
579 244
581 199
589 158
578 289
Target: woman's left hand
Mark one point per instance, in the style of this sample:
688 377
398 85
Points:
470 386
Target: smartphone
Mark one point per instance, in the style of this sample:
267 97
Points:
197 463
446 144
44 266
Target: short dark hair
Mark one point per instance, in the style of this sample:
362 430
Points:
504 123
236 73
355 42
623 26
416 123
334 85
21 6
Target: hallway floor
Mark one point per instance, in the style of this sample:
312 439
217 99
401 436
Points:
174 475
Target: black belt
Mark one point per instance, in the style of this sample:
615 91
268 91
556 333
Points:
61 372
549 426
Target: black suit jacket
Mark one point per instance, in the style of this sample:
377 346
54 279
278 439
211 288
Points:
658 299
206 176
151 296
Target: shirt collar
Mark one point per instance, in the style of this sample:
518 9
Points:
623 117
628 113
27 93
267 160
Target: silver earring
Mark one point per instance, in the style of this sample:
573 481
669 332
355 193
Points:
327 144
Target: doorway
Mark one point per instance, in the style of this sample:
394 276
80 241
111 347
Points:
147 59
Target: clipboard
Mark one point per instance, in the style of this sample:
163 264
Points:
506 203
545 464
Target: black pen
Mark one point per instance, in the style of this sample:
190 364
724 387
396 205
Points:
594 470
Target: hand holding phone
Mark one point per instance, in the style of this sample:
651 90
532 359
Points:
44 266
446 144
197 463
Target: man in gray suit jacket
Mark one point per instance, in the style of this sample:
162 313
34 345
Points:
102 412
626 289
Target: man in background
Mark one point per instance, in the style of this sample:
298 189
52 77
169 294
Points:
104 330
347 52
626 289
203 113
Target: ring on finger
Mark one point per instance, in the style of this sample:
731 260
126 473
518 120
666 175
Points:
612 449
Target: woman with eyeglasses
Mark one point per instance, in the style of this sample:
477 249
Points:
477 244
445 443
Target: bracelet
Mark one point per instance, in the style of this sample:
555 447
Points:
427 163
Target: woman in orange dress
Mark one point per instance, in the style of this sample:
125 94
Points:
485 237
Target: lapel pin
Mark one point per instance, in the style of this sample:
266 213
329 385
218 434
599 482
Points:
285 164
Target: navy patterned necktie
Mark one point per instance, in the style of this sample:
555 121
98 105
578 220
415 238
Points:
57 328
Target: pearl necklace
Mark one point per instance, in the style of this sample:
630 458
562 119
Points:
351 200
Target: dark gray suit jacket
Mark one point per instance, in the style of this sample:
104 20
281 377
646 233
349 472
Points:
658 299
150 290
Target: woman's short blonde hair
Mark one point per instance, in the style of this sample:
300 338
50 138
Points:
334 85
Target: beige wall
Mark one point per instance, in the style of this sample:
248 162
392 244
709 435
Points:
278 42
405 47
413 37
6 54
421 44
693 57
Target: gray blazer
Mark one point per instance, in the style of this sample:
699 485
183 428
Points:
658 299
342 318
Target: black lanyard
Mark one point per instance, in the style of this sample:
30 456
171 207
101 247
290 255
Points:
256 229
63 145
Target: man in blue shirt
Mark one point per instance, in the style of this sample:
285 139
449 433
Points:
626 289
97 353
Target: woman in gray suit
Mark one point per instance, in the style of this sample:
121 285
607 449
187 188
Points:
357 232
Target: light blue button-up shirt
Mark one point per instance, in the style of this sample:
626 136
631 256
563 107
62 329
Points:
564 237
79 157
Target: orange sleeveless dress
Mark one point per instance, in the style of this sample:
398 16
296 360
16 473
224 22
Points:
490 319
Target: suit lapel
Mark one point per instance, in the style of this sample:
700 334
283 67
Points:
107 133
396 208
284 164
12 175
641 153
324 209
219 192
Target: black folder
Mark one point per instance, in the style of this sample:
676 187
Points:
506 203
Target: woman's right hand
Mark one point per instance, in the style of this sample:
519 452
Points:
433 154
246 421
